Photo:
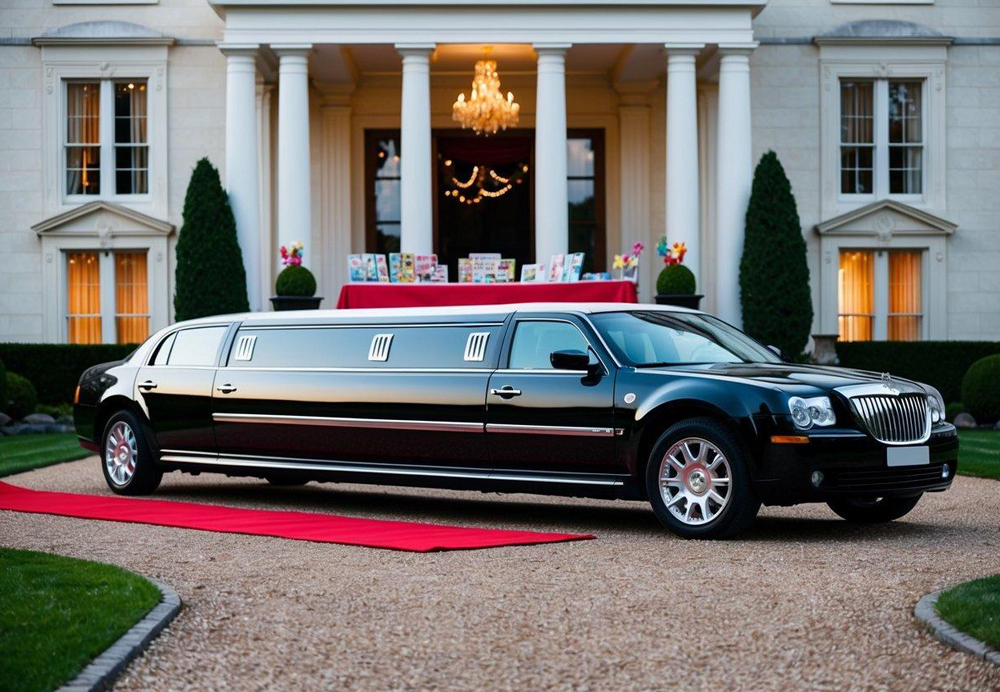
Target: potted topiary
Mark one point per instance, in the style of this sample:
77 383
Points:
296 286
676 283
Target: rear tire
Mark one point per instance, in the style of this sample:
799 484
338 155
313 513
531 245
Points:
698 482
126 457
873 511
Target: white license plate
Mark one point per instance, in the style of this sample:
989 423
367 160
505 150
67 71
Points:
908 456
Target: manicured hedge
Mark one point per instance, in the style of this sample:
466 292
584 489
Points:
942 364
54 369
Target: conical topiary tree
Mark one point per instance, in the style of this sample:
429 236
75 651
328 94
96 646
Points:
774 276
211 279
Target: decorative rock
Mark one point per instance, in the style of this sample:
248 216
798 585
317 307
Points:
965 420
997 426
4 419
39 418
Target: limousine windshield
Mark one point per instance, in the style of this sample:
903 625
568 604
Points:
652 339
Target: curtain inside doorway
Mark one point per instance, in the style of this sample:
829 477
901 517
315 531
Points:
84 299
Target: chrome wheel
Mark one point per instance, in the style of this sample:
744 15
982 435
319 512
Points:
120 453
695 481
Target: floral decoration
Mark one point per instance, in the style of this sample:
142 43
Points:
292 255
675 255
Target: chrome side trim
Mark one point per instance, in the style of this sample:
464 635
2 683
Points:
250 326
332 422
391 470
292 368
549 430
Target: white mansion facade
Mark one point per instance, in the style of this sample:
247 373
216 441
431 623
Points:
330 122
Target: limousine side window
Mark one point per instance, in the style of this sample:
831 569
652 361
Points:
196 347
163 352
418 347
535 341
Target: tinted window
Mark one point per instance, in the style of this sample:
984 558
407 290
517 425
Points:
647 339
196 346
164 350
348 347
534 342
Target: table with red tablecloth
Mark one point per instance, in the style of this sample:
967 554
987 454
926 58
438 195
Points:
379 295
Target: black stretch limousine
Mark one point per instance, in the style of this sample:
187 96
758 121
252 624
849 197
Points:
622 401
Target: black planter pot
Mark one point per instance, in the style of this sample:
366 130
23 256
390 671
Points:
680 300
282 303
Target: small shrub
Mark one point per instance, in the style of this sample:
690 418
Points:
23 399
981 389
675 279
210 277
953 409
295 280
774 274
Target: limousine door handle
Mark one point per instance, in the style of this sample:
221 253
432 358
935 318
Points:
147 385
226 388
506 392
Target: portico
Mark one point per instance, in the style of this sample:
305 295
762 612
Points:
669 163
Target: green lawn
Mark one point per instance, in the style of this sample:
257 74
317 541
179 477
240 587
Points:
974 608
57 614
24 452
979 453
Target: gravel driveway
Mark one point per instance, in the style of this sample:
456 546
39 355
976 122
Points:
804 600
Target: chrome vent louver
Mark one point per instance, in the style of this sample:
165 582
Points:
379 350
894 418
244 347
475 347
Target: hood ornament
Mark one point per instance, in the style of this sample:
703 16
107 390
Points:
888 384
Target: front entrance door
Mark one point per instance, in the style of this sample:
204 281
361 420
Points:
484 197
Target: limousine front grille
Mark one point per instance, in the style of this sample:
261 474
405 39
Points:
894 419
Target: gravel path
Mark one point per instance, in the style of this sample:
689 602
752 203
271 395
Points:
804 600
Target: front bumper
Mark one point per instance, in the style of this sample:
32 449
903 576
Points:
852 463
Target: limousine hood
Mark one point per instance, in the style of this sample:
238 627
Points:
782 375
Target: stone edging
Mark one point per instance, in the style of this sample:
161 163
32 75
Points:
935 624
101 673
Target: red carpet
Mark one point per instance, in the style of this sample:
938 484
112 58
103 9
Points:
302 526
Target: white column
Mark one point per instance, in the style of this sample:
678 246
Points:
241 158
294 177
634 168
416 229
551 196
268 250
683 223
735 171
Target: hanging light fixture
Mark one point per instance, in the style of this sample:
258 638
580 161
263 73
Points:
486 110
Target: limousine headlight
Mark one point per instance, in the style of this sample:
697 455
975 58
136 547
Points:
816 410
936 404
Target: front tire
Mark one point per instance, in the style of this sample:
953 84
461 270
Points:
126 457
698 482
873 510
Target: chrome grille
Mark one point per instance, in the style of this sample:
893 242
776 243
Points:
901 419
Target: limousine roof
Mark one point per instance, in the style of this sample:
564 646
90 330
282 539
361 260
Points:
440 312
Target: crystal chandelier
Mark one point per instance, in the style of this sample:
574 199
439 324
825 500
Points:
486 110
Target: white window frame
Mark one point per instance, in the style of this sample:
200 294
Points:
107 145
880 286
104 228
108 283
923 60
62 64
880 114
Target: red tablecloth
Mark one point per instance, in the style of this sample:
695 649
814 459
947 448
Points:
373 295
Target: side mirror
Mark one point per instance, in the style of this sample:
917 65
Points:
573 359
777 351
